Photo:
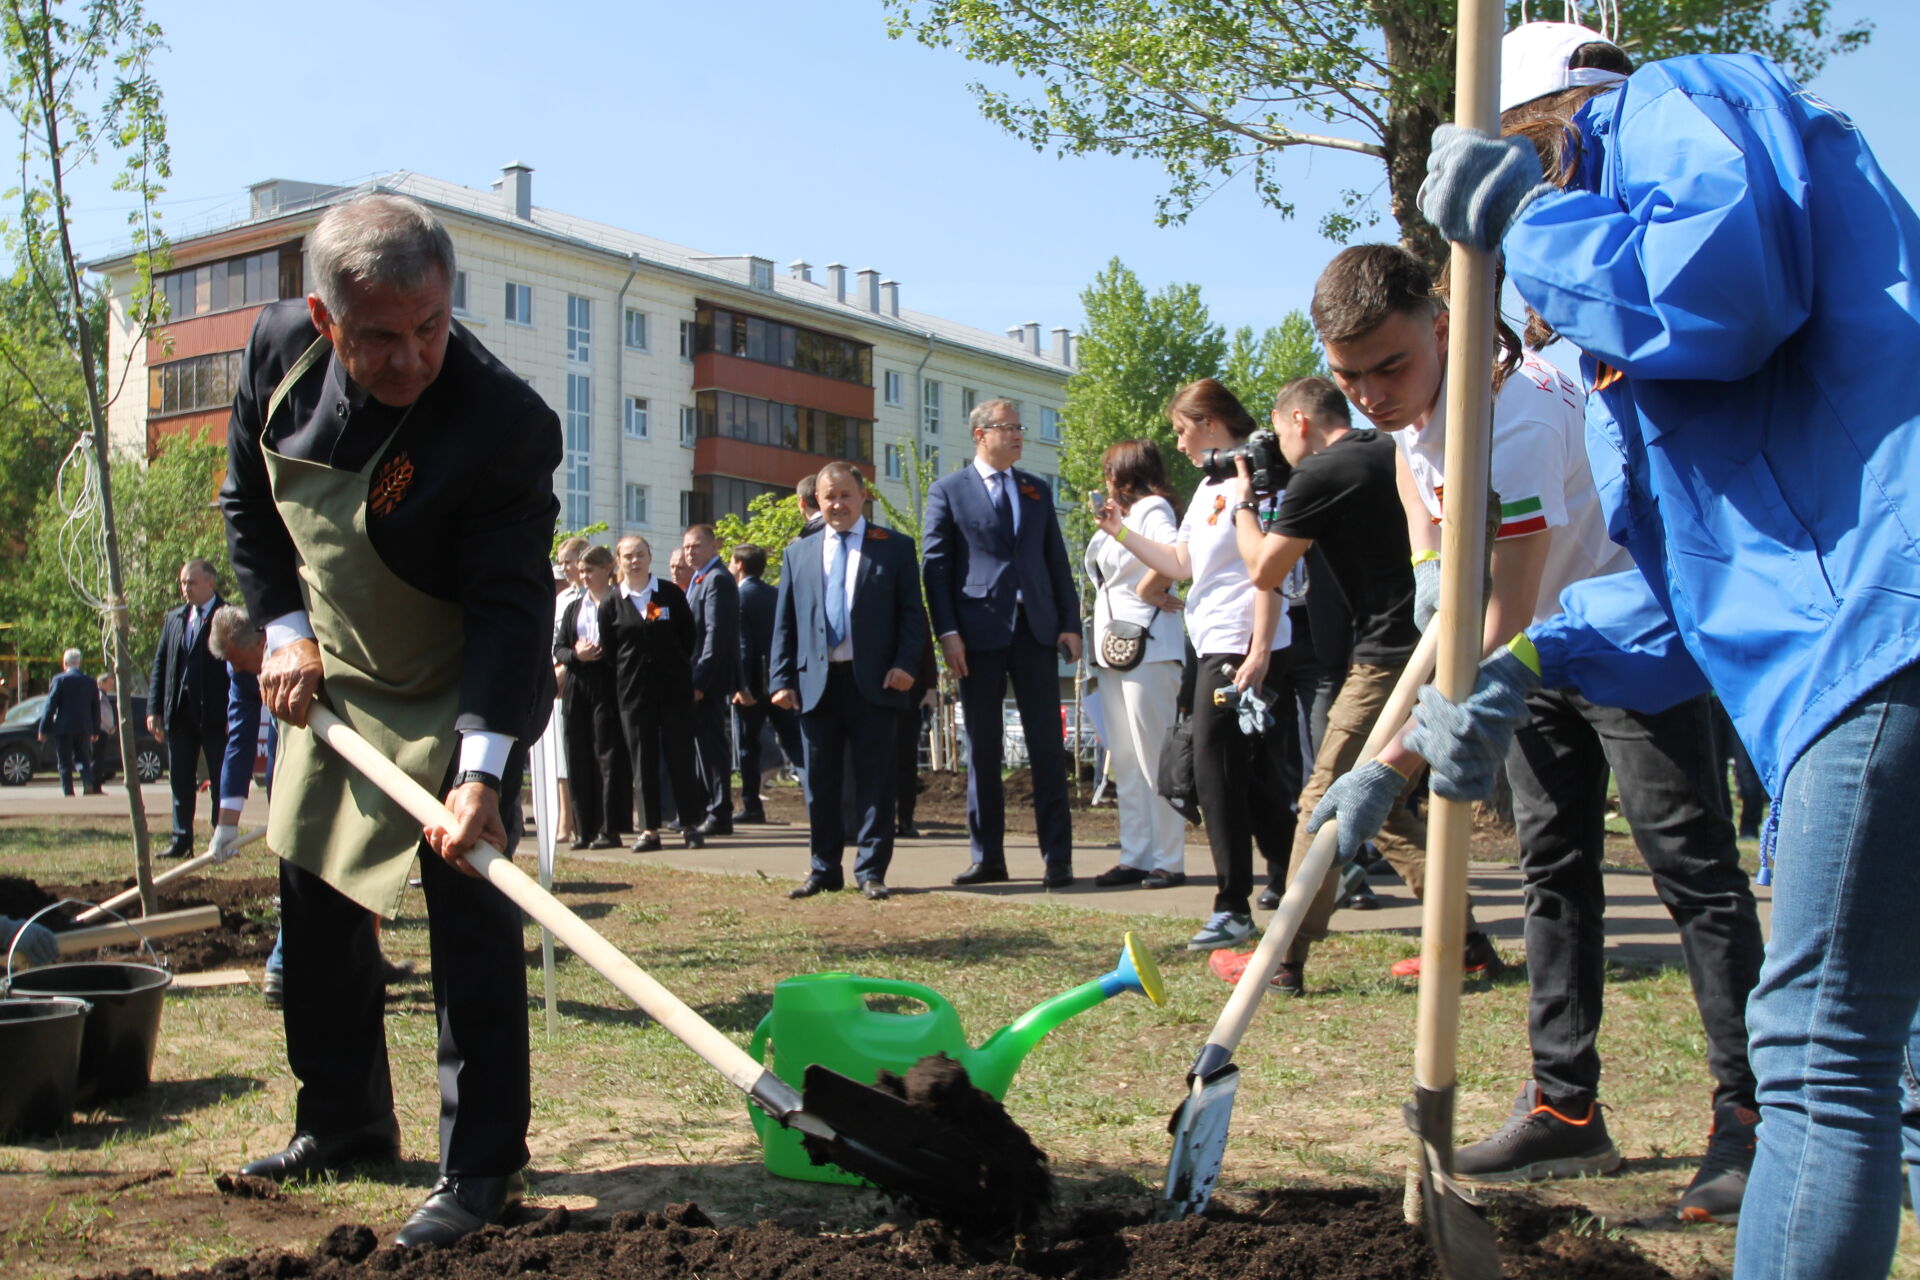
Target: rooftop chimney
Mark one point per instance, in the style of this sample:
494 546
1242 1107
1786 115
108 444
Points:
837 281
1063 346
801 269
890 296
869 289
1017 333
517 186
1032 337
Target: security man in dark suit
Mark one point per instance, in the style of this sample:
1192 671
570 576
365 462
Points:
1003 600
71 717
751 705
847 636
389 503
715 602
187 698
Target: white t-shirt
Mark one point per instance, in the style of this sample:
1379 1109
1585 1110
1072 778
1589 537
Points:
1540 472
1220 604
1112 565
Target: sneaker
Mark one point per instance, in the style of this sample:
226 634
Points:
273 988
1119 875
1715 1193
1540 1142
1222 929
1479 961
1289 980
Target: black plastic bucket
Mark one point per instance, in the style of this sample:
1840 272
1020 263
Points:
116 1055
39 1065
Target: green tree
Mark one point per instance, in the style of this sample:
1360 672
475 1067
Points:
43 403
1135 350
1219 89
1256 368
772 521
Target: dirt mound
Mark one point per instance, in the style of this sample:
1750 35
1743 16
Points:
247 924
1296 1235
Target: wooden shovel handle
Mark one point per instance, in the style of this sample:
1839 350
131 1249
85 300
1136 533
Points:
189 867
167 924
1305 886
699 1035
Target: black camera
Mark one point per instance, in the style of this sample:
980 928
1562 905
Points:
1264 459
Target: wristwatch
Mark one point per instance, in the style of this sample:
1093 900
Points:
1238 507
465 776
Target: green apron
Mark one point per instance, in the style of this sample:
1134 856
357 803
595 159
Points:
390 655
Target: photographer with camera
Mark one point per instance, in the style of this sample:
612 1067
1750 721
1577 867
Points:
1234 628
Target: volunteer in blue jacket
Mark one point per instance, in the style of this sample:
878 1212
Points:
1739 273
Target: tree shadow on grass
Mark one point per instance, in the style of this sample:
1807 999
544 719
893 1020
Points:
589 886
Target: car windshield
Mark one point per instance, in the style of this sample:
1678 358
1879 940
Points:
28 709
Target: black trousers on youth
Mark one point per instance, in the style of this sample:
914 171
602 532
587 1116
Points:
1668 773
335 1009
660 739
599 768
1236 776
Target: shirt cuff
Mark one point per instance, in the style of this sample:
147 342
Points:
287 628
944 634
233 802
486 751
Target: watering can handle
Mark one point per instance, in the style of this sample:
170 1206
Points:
911 990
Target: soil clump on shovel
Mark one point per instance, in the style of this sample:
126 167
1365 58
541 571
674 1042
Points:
1288 1235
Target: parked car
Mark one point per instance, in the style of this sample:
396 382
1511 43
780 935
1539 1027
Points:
22 754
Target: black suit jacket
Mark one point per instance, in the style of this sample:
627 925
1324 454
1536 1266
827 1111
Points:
715 599
473 525
188 682
72 707
652 657
596 678
757 601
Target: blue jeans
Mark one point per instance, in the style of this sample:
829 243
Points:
1833 1019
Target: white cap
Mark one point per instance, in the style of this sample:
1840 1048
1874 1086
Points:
1533 61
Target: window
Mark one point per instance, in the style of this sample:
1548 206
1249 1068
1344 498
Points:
579 329
637 427
892 461
968 398
1049 424
932 455
894 391
750 337
251 281
784 426
686 339
579 450
689 425
199 382
636 508
731 496
460 293
761 274
695 508
930 407
519 303
636 330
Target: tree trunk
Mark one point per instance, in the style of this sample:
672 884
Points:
1419 40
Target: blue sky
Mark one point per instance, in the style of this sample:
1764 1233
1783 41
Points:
788 129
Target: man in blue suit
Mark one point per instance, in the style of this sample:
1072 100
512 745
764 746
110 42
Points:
71 717
1003 597
847 632
187 698
715 602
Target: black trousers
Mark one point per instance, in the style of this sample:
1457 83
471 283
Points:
599 769
1236 775
660 739
713 765
1667 768
1296 676
748 723
1034 671
335 1008
188 744
845 724
906 766
69 748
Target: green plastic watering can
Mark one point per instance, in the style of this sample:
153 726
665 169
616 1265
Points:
825 1018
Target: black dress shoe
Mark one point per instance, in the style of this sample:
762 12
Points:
1057 877
693 839
749 817
604 842
578 845
1269 899
906 831
308 1156
1119 874
875 890
459 1206
648 843
716 827
815 884
177 851
982 873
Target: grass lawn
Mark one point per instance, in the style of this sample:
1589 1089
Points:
625 1117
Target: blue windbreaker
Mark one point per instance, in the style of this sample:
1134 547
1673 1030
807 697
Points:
1741 278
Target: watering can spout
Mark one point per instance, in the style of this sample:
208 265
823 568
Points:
992 1065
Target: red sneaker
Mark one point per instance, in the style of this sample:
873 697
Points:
1479 961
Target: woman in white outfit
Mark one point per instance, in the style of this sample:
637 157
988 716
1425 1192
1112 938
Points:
1139 703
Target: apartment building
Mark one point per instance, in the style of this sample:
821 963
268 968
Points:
686 382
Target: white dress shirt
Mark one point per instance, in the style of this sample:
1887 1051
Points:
642 597
1007 481
829 548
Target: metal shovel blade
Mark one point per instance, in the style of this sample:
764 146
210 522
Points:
1461 1238
1199 1129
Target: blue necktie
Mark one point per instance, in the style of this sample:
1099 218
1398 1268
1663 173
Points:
837 595
1004 502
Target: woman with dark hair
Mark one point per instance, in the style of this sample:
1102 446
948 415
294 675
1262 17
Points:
597 759
1234 627
1140 700
647 629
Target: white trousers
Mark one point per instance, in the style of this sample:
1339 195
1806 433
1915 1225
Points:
1139 709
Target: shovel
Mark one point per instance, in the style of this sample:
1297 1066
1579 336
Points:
181 872
898 1147
1199 1125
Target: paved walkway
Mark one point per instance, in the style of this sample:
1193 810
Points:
1638 927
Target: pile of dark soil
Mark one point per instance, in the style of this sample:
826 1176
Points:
1337 1235
246 929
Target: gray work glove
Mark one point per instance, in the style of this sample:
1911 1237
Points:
1360 800
1426 593
1476 185
33 945
1256 715
1465 742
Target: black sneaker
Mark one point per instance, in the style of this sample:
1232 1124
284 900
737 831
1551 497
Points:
1715 1193
1539 1142
1289 979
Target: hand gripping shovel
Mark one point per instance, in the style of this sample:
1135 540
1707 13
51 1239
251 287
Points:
900 1148
1199 1126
